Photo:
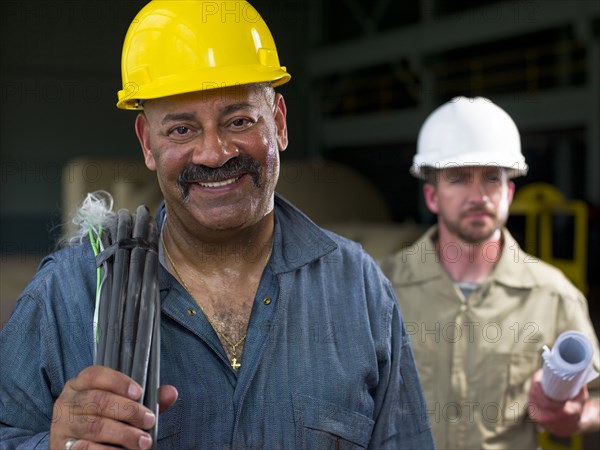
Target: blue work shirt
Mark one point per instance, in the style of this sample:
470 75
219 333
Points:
327 363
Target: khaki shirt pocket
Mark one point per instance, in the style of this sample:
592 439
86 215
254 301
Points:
521 367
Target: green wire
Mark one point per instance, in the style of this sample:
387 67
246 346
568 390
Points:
96 247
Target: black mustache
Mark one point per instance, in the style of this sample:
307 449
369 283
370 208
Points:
233 168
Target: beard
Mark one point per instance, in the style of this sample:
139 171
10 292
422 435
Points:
233 168
475 231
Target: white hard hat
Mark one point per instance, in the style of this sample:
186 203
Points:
469 132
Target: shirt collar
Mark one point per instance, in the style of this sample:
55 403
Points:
297 240
422 259
511 270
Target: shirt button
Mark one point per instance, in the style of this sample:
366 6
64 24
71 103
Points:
191 312
267 300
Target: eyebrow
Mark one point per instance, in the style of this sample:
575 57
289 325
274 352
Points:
235 107
228 109
177 117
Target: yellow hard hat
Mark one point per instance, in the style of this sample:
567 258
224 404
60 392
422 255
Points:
174 47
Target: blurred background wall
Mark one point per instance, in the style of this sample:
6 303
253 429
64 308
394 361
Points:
366 73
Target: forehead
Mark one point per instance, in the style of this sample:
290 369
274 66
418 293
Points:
243 94
471 171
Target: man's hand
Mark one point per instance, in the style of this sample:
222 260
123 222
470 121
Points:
100 406
590 418
558 418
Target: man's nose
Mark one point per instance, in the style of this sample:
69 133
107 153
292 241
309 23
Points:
213 150
477 192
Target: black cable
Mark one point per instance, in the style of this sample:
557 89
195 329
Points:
153 382
146 362
105 291
118 293
141 356
134 290
129 309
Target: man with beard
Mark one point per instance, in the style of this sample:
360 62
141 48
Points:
275 334
478 309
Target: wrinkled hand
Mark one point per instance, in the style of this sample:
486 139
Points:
558 418
100 406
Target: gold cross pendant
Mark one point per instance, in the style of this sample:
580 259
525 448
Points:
235 364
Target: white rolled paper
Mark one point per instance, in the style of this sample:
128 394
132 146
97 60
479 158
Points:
568 366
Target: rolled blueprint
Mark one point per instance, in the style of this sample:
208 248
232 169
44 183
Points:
568 366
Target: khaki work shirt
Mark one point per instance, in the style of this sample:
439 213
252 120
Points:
476 355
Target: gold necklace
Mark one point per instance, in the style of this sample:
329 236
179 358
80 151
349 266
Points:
234 362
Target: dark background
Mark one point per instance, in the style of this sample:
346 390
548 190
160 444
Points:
365 75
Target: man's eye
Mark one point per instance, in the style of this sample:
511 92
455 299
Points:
180 131
241 122
492 177
455 178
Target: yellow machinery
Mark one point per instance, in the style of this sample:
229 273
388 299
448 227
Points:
541 204
548 442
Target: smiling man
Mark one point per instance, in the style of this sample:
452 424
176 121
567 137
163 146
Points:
478 309
275 333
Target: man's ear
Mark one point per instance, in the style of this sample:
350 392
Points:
142 129
511 191
431 198
280 114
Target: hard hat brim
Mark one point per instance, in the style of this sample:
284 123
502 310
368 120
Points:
515 165
129 98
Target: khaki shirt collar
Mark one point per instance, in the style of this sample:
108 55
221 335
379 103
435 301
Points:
511 270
